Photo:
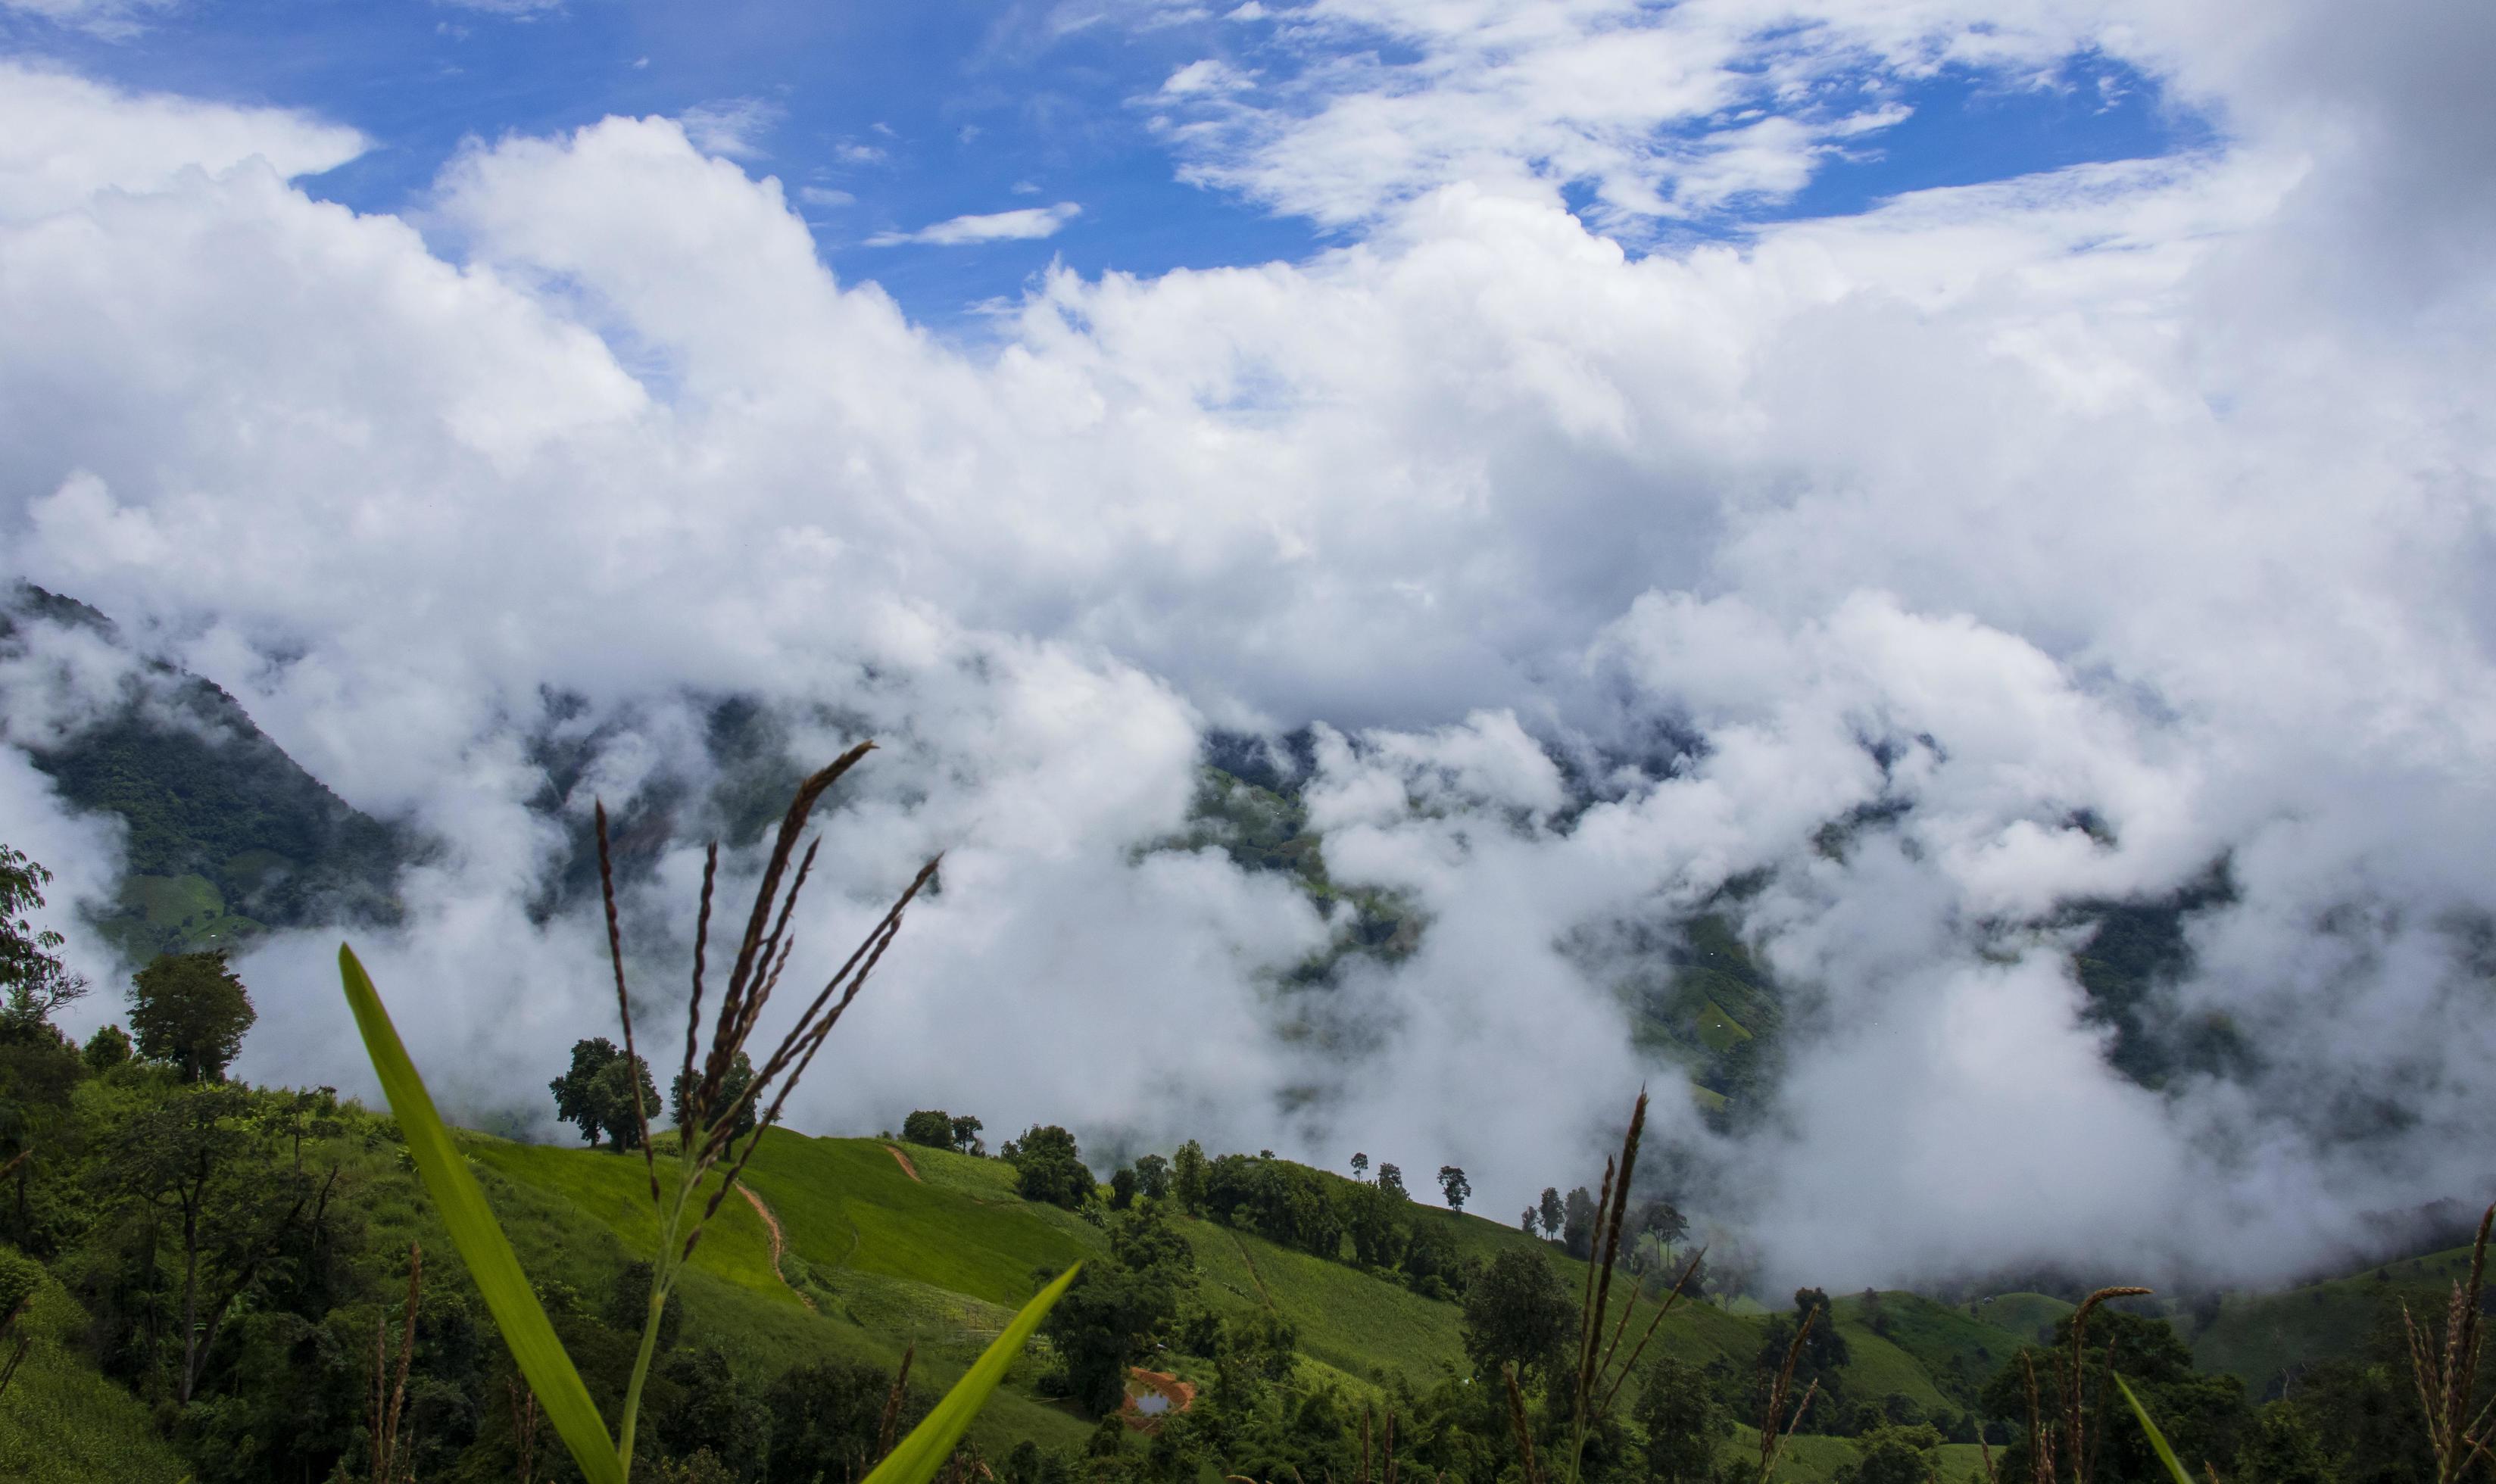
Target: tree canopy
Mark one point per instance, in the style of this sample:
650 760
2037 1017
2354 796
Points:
189 1009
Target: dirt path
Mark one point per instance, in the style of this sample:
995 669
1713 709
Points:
779 1243
1258 1278
907 1168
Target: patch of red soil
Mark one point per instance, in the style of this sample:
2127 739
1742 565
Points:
907 1167
1181 1394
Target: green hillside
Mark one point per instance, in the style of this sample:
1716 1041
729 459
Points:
62 1421
2260 1339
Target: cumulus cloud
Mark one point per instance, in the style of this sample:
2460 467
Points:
2088 529
1024 224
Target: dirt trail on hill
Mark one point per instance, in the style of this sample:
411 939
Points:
779 1243
907 1168
1254 1275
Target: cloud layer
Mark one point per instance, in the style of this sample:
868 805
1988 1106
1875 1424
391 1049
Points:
2154 495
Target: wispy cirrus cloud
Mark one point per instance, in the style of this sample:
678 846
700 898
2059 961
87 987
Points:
732 127
112 19
1027 224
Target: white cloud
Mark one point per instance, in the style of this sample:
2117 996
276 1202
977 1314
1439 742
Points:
1662 110
109 19
824 196
1022 225
63 140
2157 490
733 128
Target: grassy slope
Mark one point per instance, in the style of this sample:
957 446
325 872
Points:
1953 1352
62 1422
875 1298
2025 1316
2261 1338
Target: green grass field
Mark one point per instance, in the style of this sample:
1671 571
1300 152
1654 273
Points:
2028 1316
62 1422
1955 1352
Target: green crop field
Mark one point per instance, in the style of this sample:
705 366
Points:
62 1422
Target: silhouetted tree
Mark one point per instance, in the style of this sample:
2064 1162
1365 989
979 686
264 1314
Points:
1454 1187
730 1095
1577 1218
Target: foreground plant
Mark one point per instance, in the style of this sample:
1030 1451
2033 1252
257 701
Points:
713 1113
1601 1368
2446 1373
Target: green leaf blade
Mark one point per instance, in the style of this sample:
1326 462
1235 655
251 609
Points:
920 1454
480 1240
2157 1439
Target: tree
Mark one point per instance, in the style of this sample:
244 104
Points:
1684 1423
613 1091
1102 1324
1152 1177
1359 1166
1577 1218
1187 1177
1517 1313
191 1010
197 1161
31 974
107 1048
1370 1219
1122 1188
1823 1354
2203 1415
732 1086
1891 1454
1663 1220
930 1127
1551 1211
1048 1167
1391 1178
576 1097
1529 1220
966 1135
827 1418
1454 1187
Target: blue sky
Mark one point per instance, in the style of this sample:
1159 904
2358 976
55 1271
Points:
888 119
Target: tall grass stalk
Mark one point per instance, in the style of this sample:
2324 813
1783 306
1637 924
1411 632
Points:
709 1143
2446 1369
1600 1368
